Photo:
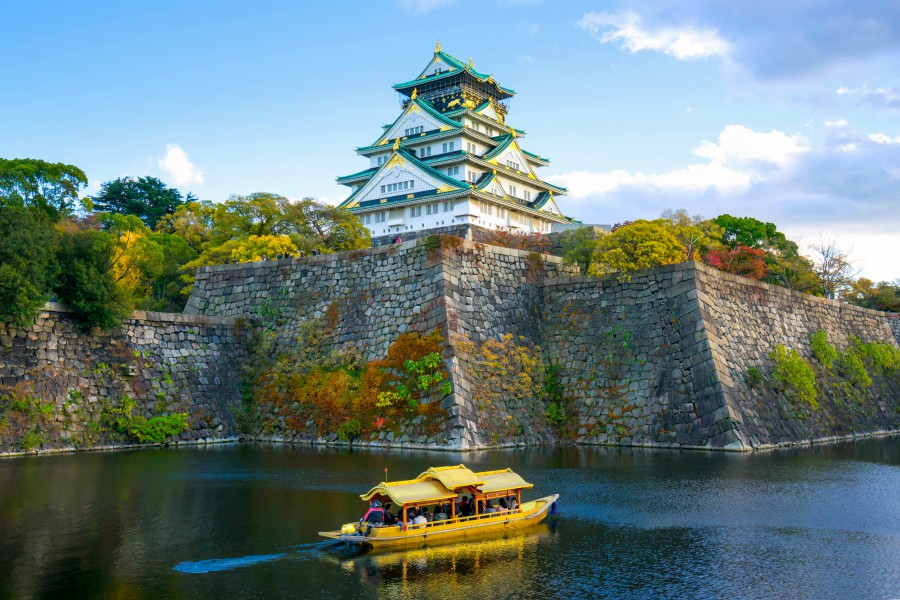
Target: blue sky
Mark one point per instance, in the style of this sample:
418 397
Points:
784 111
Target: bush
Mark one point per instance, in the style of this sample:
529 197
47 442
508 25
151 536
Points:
27 264
881 356
753 377
822 350
851 367
86 282
796 378
554 413
349 429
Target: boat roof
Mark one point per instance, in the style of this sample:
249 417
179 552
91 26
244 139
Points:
505 479
453 477
410 492
440 483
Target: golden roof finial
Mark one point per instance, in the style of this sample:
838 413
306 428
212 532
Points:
396 144
415 94
512 132
437 47
494 171
470 62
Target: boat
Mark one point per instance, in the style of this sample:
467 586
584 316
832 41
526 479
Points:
443 486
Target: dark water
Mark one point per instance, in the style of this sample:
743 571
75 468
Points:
241 522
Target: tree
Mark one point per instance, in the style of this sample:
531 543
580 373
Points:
695 233
85 280
579 245
744 261
637 245
194 222
51 188
834 268
27 263
147 198
881 296
750 232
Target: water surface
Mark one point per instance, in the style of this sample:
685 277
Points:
241 522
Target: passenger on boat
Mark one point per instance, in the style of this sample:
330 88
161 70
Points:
464 508
503 505
419 519
440 514
374 517
389 517
513 504
489 507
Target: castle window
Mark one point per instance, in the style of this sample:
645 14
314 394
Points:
426 151
528 196
471 176
471 148
431 209
513 165
512 190
380 217
415 211
486 208
413 131
453 171
449 147
448 206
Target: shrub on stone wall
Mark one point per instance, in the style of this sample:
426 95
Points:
822 349
851 367
794 377
24 419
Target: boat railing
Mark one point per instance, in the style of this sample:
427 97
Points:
458 520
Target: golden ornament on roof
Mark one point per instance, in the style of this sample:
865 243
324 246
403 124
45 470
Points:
470 62
415 94
512 132
397 144
437 47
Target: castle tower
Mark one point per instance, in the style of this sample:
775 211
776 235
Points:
450 159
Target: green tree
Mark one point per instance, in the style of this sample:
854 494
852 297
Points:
579 245
86 281
166 283
27 263
194 222
696 234
147 198
879 296
635 246
49 187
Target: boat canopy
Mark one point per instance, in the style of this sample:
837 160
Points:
453 477
505 479
410 492
441 483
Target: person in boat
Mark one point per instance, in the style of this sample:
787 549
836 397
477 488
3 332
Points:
504 507
389 517
465 509
489 507
374 517
420 518
440 514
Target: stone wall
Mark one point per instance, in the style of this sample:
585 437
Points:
660 359
167 363
365 299
744 320
634 362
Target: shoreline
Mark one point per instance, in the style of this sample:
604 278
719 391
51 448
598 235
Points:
445 449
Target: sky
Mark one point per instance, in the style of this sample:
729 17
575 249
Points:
788 112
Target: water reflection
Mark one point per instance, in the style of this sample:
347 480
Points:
820 522
436 570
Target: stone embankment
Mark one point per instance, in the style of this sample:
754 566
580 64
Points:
68 378
660 359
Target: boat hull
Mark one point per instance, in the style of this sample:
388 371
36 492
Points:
531 514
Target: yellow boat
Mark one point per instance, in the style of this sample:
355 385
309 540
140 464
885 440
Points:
443 486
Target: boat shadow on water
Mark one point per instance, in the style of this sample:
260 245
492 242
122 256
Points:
508 559
476 555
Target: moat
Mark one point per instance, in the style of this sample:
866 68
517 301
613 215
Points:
241 521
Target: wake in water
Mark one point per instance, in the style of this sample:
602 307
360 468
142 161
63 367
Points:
214 565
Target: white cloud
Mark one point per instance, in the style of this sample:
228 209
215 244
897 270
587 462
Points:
743 146
739 158
178 167
423 6
880 97
683 43
880 138
836 123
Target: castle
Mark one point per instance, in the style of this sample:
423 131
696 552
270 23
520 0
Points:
450 159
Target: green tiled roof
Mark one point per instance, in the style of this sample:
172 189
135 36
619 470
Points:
459 67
